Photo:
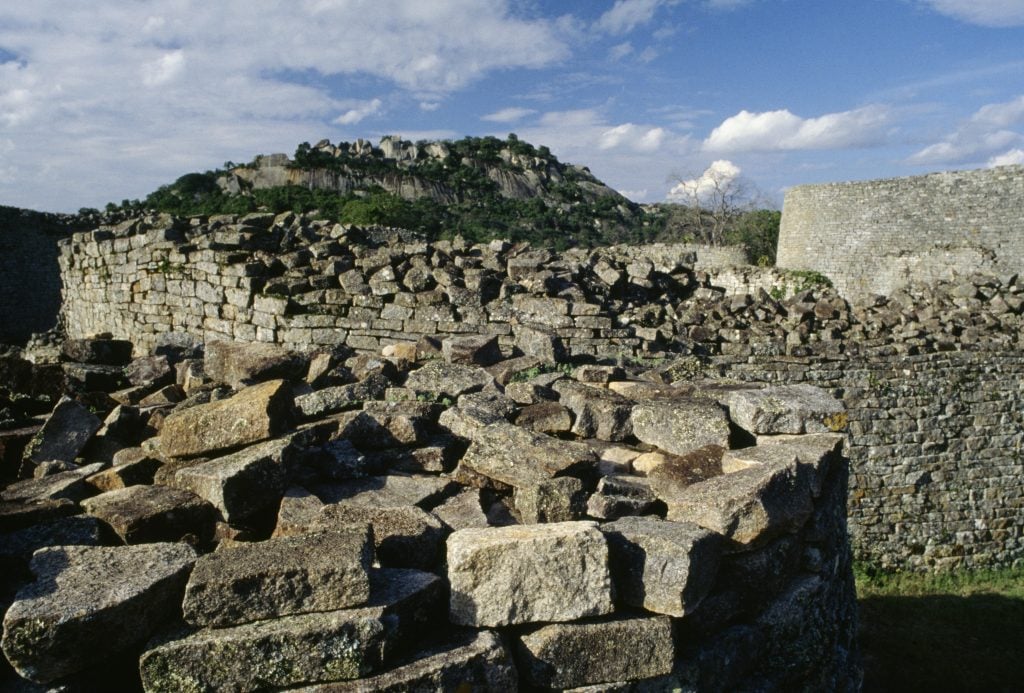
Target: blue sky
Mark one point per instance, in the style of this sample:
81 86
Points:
107 100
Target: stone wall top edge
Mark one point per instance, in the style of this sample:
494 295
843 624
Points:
1015 170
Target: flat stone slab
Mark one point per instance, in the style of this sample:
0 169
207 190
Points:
252 415
403 537
681 425
786 409
70 485
753 505
65 433
243 483
77 530
526 574
146 514
462 511
237 363
301 649
661 566
599 412
442 379
518 458
467 661
571 655
390 491
320 571
88 603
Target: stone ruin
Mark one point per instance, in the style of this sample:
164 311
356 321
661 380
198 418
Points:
229 516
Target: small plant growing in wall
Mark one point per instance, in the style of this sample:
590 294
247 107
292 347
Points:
837 422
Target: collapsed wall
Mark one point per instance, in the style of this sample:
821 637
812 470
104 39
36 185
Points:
873 237
931 376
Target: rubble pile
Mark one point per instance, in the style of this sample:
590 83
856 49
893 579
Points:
451 516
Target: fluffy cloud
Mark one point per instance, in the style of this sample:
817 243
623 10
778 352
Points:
358 111
511 114
717 177
994 13
985 134
1014 157
782 130
626 15
130 94
638 137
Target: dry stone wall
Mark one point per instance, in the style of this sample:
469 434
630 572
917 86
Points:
873 237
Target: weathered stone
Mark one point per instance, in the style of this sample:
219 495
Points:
462 511
620 496
786 409
165 396
16 515
468 660
750 506
340 397
680 426
669 474
77 530
599 413
553 500
664 567
320 571
65 433
148 514
87 377
545 417
90 602
305 648
526 574
519 458
104 352
391 491
815 453
130 472
254 414
441 379
298 512
71 485
570 655
241 484
480 350
150 371
403 536
237 363
540 342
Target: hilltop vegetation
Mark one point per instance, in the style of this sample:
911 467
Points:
479 188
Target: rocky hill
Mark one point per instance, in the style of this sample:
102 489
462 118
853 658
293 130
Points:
477 187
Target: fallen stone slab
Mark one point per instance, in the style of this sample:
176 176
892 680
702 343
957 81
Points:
786 409
320 571
519 458
299 510
621 496
239 363
133 470
67 430
256 413
661 566
87 377
545 417
300 649
679 426
70 485
441 379
815 453
330 400
18 515
561 499
242 484
105 352
479 350
526 574
88 603
150 371
462 511
466 661
77 530
148 514
598 412
403 536
751 506
390 491
571 655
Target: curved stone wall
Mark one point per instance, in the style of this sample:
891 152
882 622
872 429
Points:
872 237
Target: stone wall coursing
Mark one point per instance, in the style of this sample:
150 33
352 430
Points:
872 237
936 443
29 275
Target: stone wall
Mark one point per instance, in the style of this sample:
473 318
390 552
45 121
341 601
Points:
936 444
29 275
872 237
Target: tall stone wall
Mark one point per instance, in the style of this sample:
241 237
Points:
875 236
29 275
936 443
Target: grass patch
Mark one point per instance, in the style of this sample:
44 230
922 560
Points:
961 631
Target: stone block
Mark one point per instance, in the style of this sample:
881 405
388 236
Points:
319 571
620 496
149 514
462 511
64 435
553 500
598 412
480 350
786 409
680 426
101 352
71 485
237 363
440 379
88 603
403 536
527 574
572 655
661 566
253 414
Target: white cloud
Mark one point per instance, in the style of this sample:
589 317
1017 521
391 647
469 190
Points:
116 98
620 51
358 111
429 106
716 177
508 115
992 13
985 134
782 130
626 15
638 137
1014 157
